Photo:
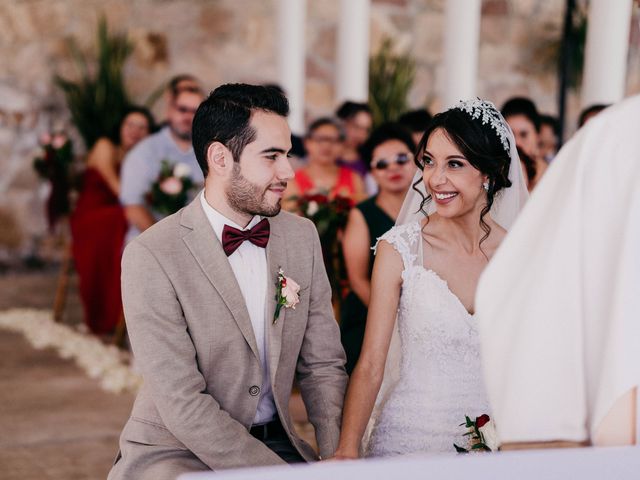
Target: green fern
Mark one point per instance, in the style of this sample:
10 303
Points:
97 102
390 79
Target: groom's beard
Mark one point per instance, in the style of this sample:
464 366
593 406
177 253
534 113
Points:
246 197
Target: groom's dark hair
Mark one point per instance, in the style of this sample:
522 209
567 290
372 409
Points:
225 117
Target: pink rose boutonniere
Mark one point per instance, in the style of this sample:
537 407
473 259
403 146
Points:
286 294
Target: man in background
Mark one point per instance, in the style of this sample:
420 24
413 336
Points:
172 144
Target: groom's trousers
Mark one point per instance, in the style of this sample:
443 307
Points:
274 436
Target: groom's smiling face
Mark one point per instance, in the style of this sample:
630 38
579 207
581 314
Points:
259 178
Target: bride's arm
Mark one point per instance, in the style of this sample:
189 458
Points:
367 376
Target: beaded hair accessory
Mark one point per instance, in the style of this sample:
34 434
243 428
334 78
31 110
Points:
487 112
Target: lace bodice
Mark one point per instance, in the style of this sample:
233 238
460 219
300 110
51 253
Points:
440 377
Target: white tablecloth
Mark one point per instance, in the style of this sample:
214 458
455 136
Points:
564 464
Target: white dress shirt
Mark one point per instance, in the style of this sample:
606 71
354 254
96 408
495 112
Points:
249 265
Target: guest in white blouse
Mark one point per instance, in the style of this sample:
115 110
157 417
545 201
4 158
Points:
559 305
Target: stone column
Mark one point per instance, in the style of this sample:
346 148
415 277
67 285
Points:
605 62
605 65
461 45
352 71
291 58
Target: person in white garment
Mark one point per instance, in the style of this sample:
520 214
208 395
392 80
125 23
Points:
559 306
425 271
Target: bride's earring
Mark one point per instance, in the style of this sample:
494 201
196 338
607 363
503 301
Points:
485 185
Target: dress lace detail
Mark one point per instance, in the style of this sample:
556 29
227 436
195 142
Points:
440 377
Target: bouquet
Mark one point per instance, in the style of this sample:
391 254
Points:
481 435
170 192
330 217
53 163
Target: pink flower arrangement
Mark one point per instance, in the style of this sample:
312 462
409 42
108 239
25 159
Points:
170 192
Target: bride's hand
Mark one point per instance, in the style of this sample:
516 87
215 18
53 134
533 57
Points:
343 455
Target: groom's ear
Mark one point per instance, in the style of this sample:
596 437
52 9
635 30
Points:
219 158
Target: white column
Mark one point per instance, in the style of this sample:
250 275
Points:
352 71
461 45
605 67
291 58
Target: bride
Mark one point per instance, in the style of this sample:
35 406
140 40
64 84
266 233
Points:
426 272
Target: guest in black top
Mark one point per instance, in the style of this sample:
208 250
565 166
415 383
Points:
389 154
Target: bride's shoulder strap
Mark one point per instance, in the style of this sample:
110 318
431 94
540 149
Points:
405 239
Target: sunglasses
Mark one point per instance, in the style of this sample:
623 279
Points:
400 159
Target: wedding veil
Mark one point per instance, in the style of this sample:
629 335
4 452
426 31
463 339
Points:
506 206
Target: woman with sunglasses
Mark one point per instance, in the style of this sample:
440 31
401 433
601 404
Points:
388 154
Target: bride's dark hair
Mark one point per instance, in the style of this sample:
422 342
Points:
481 146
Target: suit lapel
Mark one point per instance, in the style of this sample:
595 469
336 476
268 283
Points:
204 245
276 259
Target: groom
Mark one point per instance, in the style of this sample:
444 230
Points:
201 291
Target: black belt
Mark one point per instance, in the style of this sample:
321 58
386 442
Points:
268 430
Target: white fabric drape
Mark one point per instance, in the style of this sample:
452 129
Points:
559 305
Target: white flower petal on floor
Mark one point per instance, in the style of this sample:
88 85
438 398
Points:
105 363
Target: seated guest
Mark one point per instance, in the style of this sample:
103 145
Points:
589 112
178 83
416 121
549 138
357 121
388 152
142 165
522 116
528 167
323 143
98 223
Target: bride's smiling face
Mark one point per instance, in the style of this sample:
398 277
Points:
454 184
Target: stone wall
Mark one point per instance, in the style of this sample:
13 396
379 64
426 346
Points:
235 40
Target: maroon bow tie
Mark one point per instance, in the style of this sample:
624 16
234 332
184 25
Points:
232 238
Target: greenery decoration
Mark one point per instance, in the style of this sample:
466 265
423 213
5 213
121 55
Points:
98 99
390 78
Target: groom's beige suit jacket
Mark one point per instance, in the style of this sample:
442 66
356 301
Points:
193 342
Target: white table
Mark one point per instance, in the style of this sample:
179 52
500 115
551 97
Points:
613 463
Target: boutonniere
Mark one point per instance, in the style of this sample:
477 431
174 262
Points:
286 294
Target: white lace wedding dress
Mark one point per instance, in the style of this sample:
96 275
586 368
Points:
439 377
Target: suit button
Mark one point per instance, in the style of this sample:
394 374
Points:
254 391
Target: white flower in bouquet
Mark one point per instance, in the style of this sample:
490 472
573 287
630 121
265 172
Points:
171 186
312 208
181 170
490 435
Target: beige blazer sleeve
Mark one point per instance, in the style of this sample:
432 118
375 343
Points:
166 357
320 370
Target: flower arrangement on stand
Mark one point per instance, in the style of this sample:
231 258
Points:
329 214
170 192
481 435
53 163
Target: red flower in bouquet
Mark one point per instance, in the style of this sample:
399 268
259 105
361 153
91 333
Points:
329 214
170 192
